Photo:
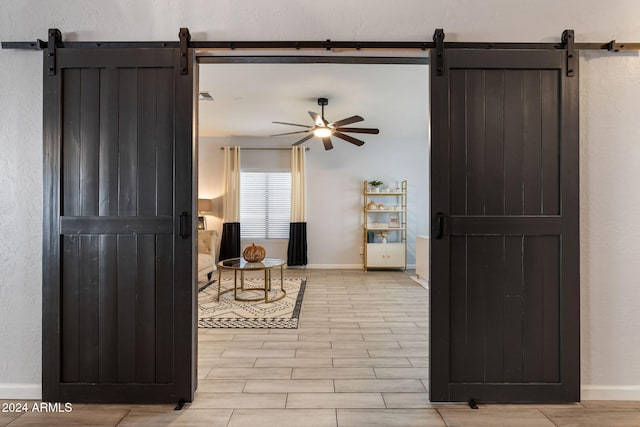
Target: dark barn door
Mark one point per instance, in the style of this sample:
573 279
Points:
118 296
505 248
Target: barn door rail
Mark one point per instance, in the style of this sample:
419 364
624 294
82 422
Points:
328 44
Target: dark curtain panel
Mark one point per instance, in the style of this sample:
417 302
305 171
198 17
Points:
297 251
230 241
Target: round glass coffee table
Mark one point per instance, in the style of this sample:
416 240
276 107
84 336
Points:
240 265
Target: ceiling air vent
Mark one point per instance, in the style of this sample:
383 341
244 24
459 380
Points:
205 96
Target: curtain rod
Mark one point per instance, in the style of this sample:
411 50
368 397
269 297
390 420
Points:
265 149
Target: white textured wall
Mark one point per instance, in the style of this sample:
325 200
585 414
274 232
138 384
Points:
610 153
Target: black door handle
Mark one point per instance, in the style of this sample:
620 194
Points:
185 225
439 226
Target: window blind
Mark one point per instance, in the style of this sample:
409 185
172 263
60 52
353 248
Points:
265 205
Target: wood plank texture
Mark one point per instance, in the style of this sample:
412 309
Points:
513 309
109 134
532 176
164 136
504 225
71 143
550 140
145 316
475 139
494 143
88 309
127 275
124 324
70 316
128 142
459 309
513 137
458 143
89 140
108 309
164 311
146 155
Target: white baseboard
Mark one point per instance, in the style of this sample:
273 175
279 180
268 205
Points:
610 392
346 266
420 281
336 266
10 391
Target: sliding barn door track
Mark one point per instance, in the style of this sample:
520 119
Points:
184 42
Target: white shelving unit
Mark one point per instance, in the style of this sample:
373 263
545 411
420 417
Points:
391 220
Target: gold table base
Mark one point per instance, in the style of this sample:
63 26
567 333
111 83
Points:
267 286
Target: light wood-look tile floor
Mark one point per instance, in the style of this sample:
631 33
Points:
359 358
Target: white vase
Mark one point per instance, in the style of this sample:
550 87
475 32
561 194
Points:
384 240
375 189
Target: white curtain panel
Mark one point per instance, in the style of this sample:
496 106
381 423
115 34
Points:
231 200
298 185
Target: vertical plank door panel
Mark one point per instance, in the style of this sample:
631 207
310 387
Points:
458 332
128 142
70 300
494 312
71 143
119 159
532 145
533 283
505 263
164 142
127 266
475 138
513 309
550 139
147 121
476 307
88 329
550 309
108 309
513 141
109 133
145 324
494 143
89 141
164 318
458 144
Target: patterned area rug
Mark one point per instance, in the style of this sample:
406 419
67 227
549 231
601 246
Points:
229 313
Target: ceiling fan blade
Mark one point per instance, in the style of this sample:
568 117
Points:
348 121
291 133
359 130
318 119
292 124
327 143
303 140
348 138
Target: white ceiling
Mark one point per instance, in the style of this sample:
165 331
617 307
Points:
248 97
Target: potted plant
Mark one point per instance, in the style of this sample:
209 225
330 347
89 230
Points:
375 185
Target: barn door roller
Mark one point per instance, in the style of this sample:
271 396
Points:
567 41
55 36
438 39
185 38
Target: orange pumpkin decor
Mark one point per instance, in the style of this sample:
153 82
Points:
254 253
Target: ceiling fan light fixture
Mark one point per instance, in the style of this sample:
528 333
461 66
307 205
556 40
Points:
323 132
324 129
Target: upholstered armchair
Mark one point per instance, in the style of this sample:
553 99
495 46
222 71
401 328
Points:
207 244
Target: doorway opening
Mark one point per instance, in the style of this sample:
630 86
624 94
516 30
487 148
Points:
242 97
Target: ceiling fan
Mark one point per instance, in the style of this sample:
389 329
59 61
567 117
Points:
324 129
